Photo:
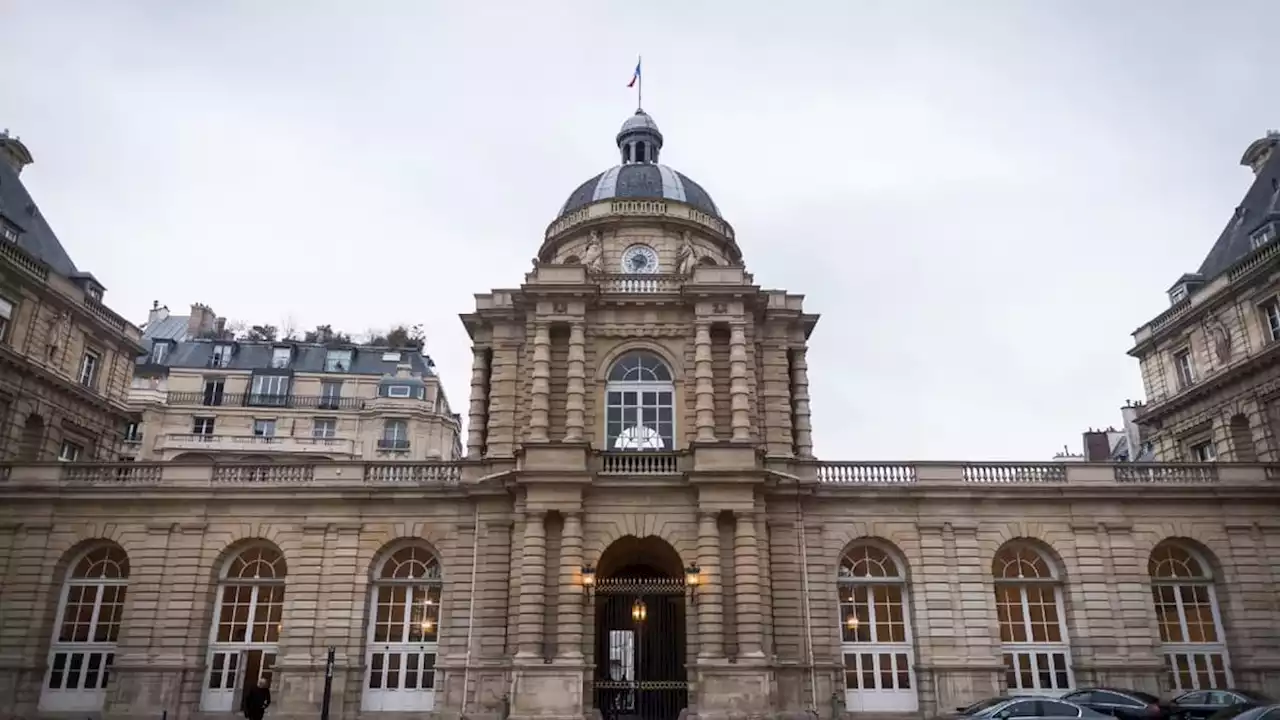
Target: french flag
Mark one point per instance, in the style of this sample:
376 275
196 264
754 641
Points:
635 77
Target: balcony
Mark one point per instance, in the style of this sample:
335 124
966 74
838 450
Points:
251 444
1043 475
639 463
313 402
643 283
130 477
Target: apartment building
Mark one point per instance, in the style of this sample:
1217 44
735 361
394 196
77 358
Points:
263 401
65 357
1211 362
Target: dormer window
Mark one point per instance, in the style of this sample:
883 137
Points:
221 355
94 292
391 357
1178 294
1263 236
280 357
338 360
8 232
399 391
159 351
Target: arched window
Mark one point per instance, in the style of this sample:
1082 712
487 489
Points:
1033 634
1191 636
244 639
404 628
875 632
640 404
86 631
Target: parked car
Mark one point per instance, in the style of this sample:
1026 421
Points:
1248 712
1201 704
1010 708
1118 703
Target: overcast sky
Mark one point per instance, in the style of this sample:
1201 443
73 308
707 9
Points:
982 199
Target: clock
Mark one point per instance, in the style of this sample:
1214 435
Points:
639 260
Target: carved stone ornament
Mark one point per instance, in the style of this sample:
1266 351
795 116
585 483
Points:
719 308
687 256
560 308
593 253
1221 341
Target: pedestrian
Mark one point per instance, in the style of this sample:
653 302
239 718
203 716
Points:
255 702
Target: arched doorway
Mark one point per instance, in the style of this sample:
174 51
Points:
640 645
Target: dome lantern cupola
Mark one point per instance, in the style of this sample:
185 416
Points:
639 140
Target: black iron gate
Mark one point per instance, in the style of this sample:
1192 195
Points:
640 649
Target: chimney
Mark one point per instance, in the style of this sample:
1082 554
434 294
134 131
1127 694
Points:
1259 151
158 312
13 153
202 322
404 370
1097 446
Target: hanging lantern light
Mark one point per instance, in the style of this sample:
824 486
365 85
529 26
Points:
638 611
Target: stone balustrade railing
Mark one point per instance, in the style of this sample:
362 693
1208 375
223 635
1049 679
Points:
832 474
1040 474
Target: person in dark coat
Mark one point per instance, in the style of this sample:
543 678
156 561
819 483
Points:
255 702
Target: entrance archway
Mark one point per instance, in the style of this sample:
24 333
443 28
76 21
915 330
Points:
640 631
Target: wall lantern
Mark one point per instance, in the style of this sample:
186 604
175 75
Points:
588 582
639 612
851 622
693 578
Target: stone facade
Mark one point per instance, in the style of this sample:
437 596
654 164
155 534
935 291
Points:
639 528
1210 362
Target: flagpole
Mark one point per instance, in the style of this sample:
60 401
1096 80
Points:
639 84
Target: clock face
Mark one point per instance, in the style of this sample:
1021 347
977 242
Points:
639 259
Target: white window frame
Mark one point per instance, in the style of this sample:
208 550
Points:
159 351
1263 235
90 363
1185 367
399 391
639 437
391 441
221 356
1270 311
227 658
280 357
1203 452
1198 656
267 426
209 423
6 317
1178 294
338 360
391 356
325 428
70 451
270 390
871 565
429 586
82 699
8 232
1034 653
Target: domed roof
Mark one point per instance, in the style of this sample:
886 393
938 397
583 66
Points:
640 176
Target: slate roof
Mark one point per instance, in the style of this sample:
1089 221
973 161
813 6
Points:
34 234
647 181
197 354
1261 204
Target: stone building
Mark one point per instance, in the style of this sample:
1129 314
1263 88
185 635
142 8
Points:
65 357
1209 362
202 400
639 529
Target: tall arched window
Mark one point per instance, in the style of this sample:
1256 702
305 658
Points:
404 628
243 641
640 404
1033 633
86 632
875 632
1191 637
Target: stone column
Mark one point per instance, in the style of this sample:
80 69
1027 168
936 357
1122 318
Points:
704 391
533 574
710 602
800 402
739 391
570 610
479 392
746 566
576 395
540 393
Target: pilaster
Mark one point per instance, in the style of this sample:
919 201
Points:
533 586
710 595
802 432
746 555
479 392
704 388
540 392
739 389
569 643
576 400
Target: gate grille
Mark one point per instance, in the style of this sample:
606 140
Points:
640 649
